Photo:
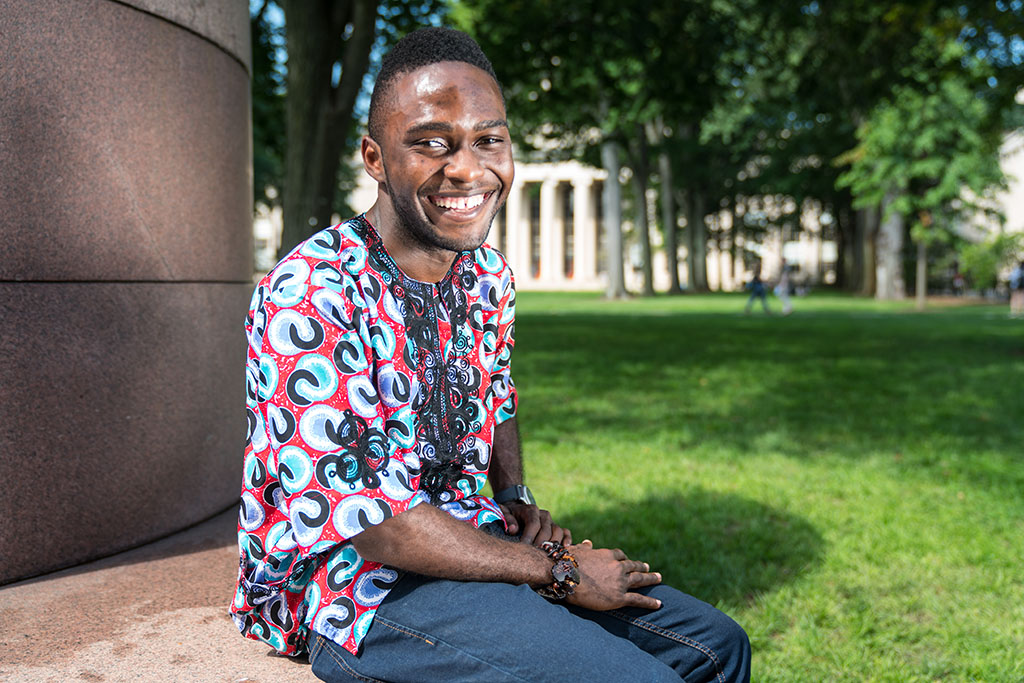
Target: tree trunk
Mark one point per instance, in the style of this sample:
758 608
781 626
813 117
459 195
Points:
868 233
697 239
643 230
921 278
318 112
611 199
856 264
638 157
716 241
889 283
641 174
734 238
845 237
668 220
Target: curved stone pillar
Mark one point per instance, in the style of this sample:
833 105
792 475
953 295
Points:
125 269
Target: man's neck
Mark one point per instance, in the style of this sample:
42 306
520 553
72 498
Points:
416 260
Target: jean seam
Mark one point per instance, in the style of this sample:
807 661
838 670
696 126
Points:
318 644
343 665
672 635
402 629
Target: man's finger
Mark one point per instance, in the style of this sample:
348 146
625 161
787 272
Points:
618 554
530 530
634 566
639 579
544 533
566 537
641 601
510 520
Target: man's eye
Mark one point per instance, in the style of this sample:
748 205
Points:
432 144
491 140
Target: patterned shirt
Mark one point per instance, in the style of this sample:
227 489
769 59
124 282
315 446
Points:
367 393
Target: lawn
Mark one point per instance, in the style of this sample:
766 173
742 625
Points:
846 482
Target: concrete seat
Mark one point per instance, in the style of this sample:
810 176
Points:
155 613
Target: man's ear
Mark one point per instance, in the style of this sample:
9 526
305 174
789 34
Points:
373 159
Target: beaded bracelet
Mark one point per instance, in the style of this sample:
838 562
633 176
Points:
565 572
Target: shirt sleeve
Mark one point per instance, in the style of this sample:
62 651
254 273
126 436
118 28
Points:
503 388
339 467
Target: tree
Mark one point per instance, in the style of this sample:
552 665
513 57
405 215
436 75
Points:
310 80
982 261
268 102
328 43
921 148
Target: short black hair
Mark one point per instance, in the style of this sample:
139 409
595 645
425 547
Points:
421 48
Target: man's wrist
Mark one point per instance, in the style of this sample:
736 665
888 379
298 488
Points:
565 572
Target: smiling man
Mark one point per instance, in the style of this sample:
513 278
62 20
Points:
380 401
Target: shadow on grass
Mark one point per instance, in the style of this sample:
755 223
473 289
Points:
721 548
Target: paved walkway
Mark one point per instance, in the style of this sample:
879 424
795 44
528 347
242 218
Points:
156 613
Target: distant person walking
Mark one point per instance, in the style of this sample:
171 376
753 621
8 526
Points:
1017 291
757 291
782 290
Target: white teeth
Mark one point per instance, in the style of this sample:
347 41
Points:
459 203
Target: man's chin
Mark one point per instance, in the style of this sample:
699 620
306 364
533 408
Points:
467 238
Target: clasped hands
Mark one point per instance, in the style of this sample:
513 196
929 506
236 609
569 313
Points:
608 577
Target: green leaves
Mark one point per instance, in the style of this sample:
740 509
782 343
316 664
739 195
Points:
930 140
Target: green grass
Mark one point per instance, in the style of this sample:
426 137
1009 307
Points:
846 482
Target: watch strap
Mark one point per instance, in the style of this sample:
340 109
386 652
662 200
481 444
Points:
515 494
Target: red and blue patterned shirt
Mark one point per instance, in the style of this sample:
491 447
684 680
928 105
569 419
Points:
367 393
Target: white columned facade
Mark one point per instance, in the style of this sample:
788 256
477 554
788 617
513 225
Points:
554 223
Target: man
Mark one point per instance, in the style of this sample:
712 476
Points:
380 401
757 291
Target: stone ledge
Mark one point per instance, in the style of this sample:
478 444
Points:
156 613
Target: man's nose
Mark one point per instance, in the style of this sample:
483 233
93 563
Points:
464 166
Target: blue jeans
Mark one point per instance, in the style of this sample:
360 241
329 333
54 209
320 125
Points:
439 630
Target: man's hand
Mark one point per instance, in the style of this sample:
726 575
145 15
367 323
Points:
607 578
535 524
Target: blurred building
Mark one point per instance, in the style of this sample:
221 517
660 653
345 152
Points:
552 233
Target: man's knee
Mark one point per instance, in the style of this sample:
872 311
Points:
733 650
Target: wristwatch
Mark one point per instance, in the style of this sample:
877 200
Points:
515 494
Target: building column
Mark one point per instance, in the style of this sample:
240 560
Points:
584 267
551 252
514 229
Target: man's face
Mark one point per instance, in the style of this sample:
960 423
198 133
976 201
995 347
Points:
446 153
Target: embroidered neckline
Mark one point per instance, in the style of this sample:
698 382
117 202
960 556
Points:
375 243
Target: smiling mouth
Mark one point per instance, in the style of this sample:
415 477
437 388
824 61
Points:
460 204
